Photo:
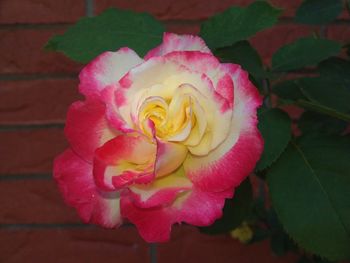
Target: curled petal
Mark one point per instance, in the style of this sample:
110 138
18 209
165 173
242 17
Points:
87 128
172 42
169 157
212 124
172 78
143 81
124 160
106 69
210 66
162 191
228 164
74 178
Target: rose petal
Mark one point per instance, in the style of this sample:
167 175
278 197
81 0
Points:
194 207
111 97
87 128
162 191
173 42
210 66
143 81
74 178
170 78
124 160
207 107
169 157
106 69
227 165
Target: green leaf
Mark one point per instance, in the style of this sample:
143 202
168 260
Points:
309 187
275 128
311 122
235 211
318 12
288 89
304 52
316 107
326 92
111 30
337 70
244 54
238 23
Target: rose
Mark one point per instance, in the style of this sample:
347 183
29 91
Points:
159 141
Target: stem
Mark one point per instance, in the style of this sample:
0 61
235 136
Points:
153 252
267 91
323 109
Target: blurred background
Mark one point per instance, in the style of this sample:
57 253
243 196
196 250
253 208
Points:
36 88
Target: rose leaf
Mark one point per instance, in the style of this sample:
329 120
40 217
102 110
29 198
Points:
304 52
318 12
310 122
111 30
238 23
337 70
309 187
275 128
326 92
288 89
244 54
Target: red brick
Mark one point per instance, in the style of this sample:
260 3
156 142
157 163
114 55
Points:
69 245
183 28
48 11
185 9
33 201
22 52
30 151
168 9
268 41
340 32
36 101
188 245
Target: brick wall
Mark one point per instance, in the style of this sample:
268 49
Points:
36 88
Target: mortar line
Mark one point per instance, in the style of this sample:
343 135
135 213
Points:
21 127
25 177
37 76
36 26
89 8
44 226
24 226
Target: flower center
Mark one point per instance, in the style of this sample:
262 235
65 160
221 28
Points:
172 120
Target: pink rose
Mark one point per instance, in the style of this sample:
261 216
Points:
160 140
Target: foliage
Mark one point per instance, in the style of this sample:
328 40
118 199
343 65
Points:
111 30
238 23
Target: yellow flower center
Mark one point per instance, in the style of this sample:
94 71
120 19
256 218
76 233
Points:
172 119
